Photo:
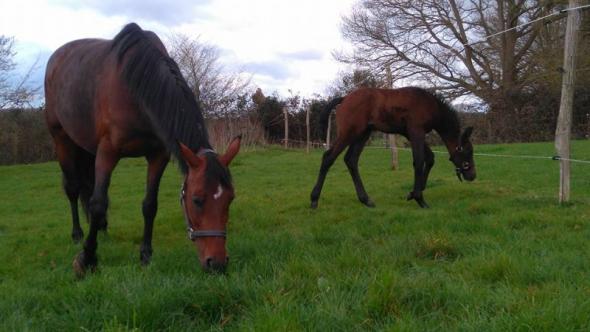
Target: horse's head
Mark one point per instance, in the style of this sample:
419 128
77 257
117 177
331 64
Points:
462 157
206 195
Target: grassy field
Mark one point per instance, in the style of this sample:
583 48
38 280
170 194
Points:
497 254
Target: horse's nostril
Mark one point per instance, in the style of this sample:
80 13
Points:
209 261
226 260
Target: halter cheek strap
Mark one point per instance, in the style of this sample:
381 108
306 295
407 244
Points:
192 233
458 170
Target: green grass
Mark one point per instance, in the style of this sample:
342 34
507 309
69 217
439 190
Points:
497 254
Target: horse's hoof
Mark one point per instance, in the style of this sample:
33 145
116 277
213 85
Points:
314 204
77 236
81 264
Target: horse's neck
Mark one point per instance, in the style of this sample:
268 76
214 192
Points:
449 131
451 141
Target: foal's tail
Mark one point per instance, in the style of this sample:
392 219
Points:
325 114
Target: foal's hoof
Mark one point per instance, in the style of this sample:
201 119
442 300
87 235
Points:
314 204
368 202
423 204
77 235
145 256
82 264
418 198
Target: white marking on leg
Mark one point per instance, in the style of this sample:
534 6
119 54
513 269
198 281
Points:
218 193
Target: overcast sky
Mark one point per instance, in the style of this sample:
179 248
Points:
283 44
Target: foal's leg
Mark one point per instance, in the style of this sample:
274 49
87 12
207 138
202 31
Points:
417 141
327 161
106 160
156 166
428 163
352 159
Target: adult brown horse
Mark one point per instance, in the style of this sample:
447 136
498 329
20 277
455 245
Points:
412 112
109 99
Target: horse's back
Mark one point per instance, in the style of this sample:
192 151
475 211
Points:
390 110
71 80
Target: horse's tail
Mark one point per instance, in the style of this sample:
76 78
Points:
325 114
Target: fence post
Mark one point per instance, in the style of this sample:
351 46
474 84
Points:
307 126
393 146
563 130
286 127
328 132
391 137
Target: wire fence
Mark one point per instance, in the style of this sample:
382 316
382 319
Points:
320 145
557 158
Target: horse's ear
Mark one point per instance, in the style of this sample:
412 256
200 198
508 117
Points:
189 156
466 134
232 151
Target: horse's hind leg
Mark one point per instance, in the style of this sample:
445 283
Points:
351 159
156 166
67 154
418 149
327 161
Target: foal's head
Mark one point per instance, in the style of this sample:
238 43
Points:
206 195
462 157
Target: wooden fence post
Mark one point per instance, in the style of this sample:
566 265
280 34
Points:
328 132
286 127
307 126
393 146
391 137
563 130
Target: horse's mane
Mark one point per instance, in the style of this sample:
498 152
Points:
450 125
155 81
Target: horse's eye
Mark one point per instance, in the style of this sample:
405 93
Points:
198 201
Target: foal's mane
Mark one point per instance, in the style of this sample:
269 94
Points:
156 83
450 125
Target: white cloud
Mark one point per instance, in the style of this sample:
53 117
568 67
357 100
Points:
285 44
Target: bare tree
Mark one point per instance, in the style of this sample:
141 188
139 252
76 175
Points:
14 92
441 44
345 82
219 92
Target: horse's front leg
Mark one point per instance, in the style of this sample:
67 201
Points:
156 166
428 163
106 160
418 144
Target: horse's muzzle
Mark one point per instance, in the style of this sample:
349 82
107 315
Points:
213 265
468 175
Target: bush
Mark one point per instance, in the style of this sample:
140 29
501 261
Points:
24 137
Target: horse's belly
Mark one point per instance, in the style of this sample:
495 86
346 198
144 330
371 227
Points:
79 126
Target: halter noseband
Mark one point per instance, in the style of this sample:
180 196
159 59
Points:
192 233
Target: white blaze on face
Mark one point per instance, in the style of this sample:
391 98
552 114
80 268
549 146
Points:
218 193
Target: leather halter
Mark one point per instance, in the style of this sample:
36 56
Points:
459 170
192 233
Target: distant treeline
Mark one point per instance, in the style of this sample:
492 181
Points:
24 137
